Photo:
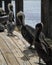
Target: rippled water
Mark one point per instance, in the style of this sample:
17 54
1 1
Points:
32 10
32 23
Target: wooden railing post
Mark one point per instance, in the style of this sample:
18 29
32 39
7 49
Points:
6 5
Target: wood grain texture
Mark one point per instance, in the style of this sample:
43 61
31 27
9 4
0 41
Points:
14 50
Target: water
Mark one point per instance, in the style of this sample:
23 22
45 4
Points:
32 10
32 23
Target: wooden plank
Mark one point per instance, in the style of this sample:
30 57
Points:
34 59
19 36
23 42
17 45
20 54
4 50
30 56
23 48
11 60
2 60
0 3
15 50
6 5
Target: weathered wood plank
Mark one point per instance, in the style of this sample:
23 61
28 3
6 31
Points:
11 60
31 56
4 49
34 58
14 48
2 59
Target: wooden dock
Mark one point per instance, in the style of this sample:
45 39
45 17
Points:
14 51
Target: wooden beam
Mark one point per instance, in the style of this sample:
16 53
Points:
16 5
16 9
19 7
0 3
45 15
50 19
6 5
